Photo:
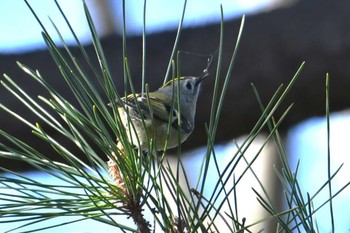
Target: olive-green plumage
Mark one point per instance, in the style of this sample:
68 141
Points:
154 113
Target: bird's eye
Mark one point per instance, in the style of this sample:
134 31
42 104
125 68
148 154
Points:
189 86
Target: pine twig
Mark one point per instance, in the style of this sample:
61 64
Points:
130 203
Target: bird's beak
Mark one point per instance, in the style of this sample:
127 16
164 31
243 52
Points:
202 77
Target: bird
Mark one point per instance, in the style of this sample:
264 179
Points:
162 119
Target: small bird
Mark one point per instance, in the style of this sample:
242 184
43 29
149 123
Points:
148 119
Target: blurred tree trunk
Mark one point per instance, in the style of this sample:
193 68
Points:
103 13
273 46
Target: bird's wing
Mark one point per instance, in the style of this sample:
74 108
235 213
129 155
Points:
161 110
156 104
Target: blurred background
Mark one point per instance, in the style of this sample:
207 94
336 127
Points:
278 36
